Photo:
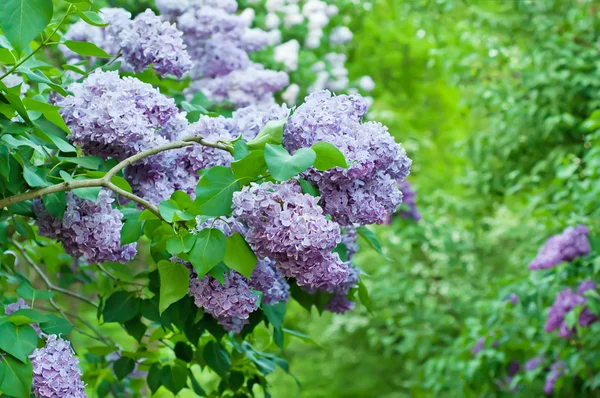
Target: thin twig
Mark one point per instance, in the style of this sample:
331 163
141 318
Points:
106 180
116 278
46 280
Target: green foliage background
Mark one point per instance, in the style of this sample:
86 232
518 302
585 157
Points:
492 101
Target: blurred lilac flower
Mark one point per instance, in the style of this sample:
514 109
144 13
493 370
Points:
571 243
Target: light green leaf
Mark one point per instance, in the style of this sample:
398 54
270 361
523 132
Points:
86 49
56 325
15 376
174 282
239 256
18 341
121 306
27 316
22 20
250 167
284 166
208 250
328 156
271 133
214 192
91 17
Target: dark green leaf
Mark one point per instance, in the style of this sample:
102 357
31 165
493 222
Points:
22 20
86 49
328 156
174 281
308 188
132 230
56 325
15 377
184 351
217 358
4 162
363 295
372 240
121 306
18 341
29 293
214 192
154 377
208 250
135 328
275 314
123 367
55 204
239 256
284 166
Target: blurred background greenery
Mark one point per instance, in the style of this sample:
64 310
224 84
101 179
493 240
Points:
492 100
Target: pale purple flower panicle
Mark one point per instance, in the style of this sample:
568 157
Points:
88 229
565 302
339 303
478 346
149 40
243 88
20 305
366 192
232 324
114 117
212 129
250 120
557 370
513 298
571 243
233 298
268 279
56 373
534 363
350 240
290 228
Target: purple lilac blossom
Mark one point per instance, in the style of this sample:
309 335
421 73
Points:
565 302
252 85
56 373
149 40
513 298
534 363
88 229
233 298
409 198
114 117
557 370
478 346
21 305
366 192
248 121
571 243
350 240
232 323
290 228
339 303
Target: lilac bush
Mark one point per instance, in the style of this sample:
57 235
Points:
565 302
566 246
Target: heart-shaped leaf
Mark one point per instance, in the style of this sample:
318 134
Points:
208 250
284 166
328 156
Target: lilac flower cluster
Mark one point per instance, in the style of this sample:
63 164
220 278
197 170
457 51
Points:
339 303
248 121
556 370
571 243
219 42
366 192
233 298
55 370
409 197
534 363
143 41
267 279
88 229
115 117
149 40
513 298
349 238
289 227
565 302
478 346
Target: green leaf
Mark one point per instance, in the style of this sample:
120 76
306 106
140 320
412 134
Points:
18 341
154 379
88 162
275 314
123 367
308 188
208 250
30 173
174 281
249 168
26 316
284 166
136 328
181 244
56 325
240 150
29 293
174 378
372 240
184 351
214 192
86 49
4 162
363 295
15 377
271 133
22 20
216 358
101 350
121 306
328 156
571 319
132 230
239 256
219 271
91 17
55 204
